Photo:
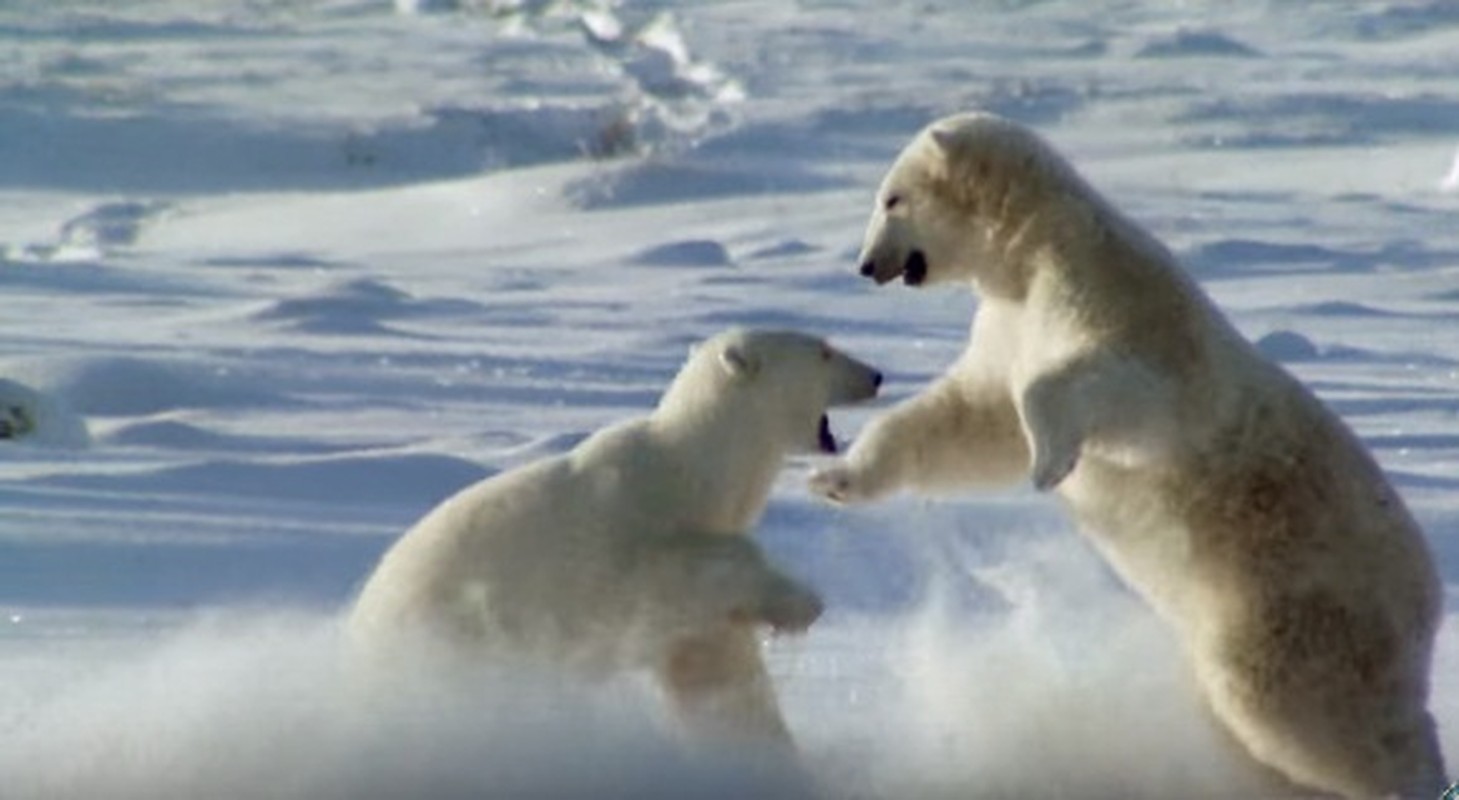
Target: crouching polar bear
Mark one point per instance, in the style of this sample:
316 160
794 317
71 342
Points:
630 551
1214 483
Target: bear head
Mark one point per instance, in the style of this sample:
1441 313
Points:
946 208
768 382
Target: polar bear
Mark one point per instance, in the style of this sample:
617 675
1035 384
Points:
631 551
1218 487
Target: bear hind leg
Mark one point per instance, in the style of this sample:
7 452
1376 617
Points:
719 689
1330 743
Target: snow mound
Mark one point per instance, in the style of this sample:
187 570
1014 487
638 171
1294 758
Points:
1193 43
786 248
127 386
426 6
1287 346
1402 20
1319 118
408 479
1236 256
109 225
524 84
687 253
177 435
361 306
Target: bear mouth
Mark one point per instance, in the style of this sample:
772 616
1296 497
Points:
824 437
915 270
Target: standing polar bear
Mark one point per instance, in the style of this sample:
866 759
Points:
631 551
1213 482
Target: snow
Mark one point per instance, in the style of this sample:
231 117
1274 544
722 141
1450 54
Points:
279 275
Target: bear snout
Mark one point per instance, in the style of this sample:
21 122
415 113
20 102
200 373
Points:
860 383
915 270
874 379
873 383
881 267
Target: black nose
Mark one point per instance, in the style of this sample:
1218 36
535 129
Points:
867 268
876 379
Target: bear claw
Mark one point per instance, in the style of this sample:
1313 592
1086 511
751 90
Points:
795 615
1047 477
833 483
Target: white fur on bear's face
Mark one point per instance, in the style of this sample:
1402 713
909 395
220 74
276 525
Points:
783 381
797 378
914 233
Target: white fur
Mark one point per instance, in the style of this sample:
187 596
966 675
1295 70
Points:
630 551
1215 484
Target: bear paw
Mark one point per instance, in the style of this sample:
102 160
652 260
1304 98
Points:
840 484
794 612
1049 472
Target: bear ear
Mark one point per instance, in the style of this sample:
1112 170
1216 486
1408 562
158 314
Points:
944 138
737 362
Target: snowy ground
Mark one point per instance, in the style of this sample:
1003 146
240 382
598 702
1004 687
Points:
286 272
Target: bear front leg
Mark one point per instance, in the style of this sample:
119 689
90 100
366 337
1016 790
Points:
785 604
715 578
713 672
948 437
719 689
1110 400
1054 424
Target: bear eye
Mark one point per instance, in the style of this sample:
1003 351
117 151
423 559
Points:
892 202
825 353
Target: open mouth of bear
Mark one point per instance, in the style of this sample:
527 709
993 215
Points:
915 270
824 436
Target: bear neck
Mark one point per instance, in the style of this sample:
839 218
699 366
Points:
1042 211
1043 237
723 462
